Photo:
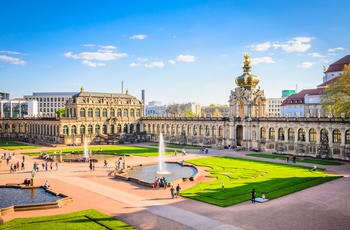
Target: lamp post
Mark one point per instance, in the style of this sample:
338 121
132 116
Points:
33 176
124 161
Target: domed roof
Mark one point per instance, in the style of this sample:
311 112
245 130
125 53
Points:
247 80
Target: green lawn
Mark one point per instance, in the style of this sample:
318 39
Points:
180 147
120 149
88 219
299 159
241 176
11 145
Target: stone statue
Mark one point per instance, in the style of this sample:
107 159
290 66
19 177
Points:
324 148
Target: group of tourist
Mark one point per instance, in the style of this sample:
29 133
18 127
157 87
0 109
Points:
14 167
45 166
160 182
292 159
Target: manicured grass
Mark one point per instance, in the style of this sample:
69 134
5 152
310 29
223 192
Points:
241 176
299 159
109 150
88 219
177 146
11 145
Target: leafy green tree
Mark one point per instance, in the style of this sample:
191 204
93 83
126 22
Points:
61 112
335 99
190 113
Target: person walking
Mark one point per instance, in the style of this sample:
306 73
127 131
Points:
178 188
56 166
253 195
223 185
172 192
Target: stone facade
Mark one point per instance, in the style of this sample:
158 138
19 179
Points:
99 116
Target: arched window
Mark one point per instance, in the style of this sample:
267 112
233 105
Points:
119 113
347 136
201 130
213 131
125 113
263 132
112 113
74 130
291 134
112 129
82 129
207 130
167 129
281 134
90 112
137 113
119 129
336 136
97 113
104 113
221 131
90 129
97 129
272 133
132 113
82 112
301 134
65 130
177 129
104 129
312 135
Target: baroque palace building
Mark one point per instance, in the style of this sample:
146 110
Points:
98 117
104 118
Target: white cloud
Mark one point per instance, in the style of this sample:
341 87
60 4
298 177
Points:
134 64
186 58
223 55
139 36
261 47
266 60
92 64
89 45
105 53
159 64
306 65
298 44
142 59
316 55
335 49
10 52
172 62
12 60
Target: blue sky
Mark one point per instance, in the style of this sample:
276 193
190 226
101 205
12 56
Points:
178 51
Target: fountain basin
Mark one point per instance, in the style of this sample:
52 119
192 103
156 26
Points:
20 198
146 174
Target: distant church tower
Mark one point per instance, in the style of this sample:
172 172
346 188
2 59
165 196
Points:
247 101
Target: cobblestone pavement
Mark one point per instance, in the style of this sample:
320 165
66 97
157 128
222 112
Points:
322 207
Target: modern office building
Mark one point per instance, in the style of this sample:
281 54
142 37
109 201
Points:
49 102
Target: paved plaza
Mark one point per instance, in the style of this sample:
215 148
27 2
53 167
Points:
322 207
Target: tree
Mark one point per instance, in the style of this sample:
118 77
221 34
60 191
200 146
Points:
190 113
335 99
176 109
61 112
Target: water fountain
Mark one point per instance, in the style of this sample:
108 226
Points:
173 171
161 152
86 150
